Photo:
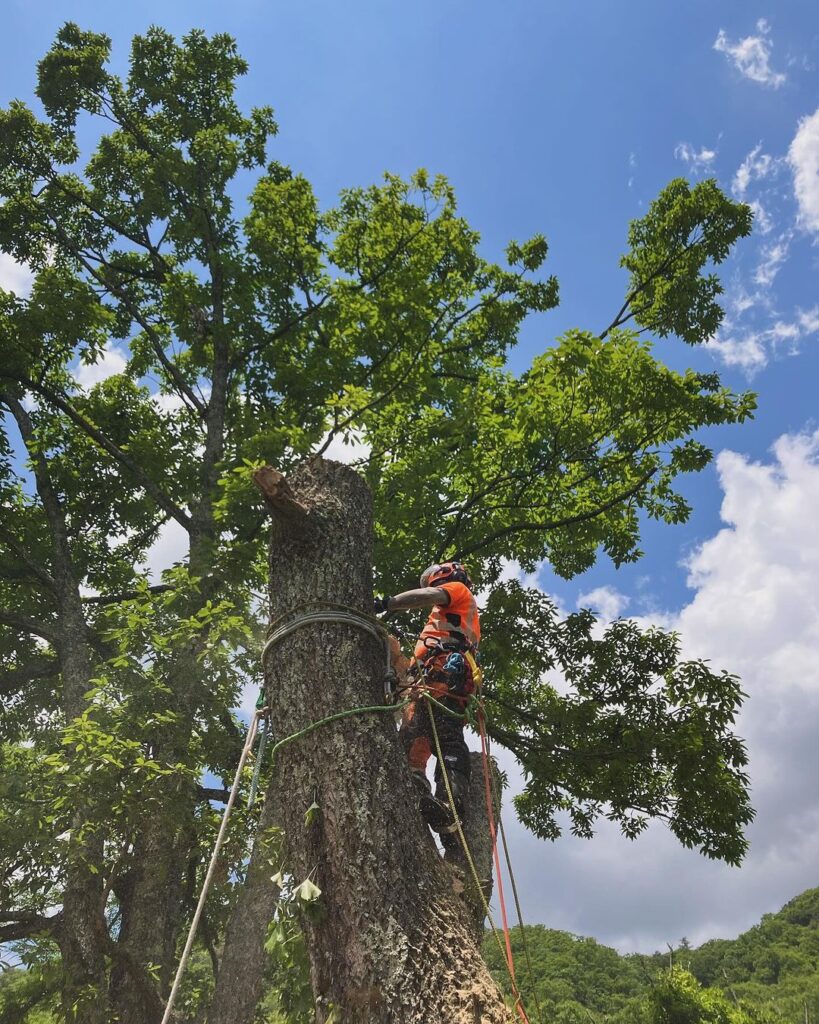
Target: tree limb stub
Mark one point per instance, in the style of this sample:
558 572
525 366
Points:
278 496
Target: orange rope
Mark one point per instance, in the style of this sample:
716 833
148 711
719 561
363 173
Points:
493 832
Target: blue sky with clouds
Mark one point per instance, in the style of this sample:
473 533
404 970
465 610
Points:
567 119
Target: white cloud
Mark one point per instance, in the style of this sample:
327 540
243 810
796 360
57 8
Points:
747 350
750 350
697 161
15 277
809 320
111 361
756 166
772 257
803 157
170 547
606 601
755 611
763 222
751 56
347 451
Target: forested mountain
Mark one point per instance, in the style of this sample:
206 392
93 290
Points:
772 970
768 975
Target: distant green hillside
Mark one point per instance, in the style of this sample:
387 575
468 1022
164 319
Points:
773 967
769 975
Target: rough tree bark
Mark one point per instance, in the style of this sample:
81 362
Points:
394 942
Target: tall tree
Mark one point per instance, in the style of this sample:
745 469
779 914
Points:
260 330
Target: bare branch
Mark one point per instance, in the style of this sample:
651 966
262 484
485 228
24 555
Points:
24 925
127 595
210 793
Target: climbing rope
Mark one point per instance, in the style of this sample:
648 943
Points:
220 838
473 869
330 612
491 800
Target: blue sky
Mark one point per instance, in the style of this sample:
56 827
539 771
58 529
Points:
567 119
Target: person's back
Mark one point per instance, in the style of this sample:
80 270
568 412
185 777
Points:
457 621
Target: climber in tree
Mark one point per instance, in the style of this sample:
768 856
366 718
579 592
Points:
445 663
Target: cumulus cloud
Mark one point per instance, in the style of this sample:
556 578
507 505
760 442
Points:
750 349
607 602
751 56
803 157
111 361
697 161
754 611
15 277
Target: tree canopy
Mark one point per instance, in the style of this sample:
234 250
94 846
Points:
258 329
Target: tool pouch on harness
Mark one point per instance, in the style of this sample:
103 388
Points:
457 669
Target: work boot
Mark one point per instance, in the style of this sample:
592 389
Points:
435 812
459 784
420 782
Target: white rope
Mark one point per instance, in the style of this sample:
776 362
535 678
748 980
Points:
251 734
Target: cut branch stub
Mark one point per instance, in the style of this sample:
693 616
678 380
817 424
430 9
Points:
278 496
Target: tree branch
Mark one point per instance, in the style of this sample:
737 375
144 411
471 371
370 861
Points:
278 496
35 568
24 925
39 668
557 524
210 793
127 595
26 625
107 445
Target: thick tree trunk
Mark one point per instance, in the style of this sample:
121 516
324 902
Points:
392 942
152 900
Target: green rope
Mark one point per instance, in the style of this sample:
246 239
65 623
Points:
366 709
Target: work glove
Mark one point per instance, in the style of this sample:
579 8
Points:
381 604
